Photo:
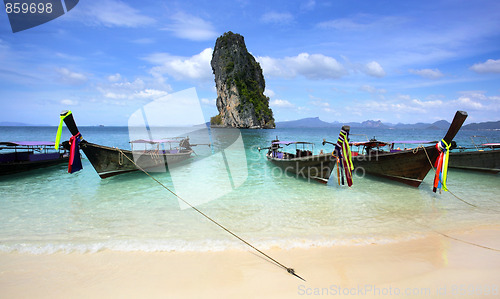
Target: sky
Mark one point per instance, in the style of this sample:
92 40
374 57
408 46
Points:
339 60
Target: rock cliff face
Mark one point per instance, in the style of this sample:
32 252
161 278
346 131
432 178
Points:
240 86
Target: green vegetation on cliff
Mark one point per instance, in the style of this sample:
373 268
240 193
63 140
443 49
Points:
216 120
250 94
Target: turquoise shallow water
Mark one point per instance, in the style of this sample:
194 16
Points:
50 210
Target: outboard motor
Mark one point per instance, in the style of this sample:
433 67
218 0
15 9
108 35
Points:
274 147
185 143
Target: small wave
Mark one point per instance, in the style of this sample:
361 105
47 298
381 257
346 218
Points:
195 246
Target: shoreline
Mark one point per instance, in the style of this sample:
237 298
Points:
430 266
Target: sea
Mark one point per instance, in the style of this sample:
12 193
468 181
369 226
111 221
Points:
49 210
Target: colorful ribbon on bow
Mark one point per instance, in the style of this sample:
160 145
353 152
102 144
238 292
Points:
441 166
344 158
59 130
75 162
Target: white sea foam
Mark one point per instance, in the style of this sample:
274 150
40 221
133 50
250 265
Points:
194 246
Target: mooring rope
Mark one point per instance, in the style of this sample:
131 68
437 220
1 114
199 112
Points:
445 235
456 196
289 270
434 169
463 241
464 201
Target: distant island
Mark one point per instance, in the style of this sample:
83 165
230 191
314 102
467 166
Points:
315 122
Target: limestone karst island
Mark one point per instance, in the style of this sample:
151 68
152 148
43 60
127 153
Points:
240 86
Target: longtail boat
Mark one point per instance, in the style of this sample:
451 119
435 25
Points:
302 162
28 155
483 157
409 166
110 161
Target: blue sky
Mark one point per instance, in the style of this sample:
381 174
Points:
395 61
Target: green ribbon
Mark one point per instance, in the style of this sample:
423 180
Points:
59 130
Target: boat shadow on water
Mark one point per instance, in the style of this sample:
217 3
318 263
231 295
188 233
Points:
53 172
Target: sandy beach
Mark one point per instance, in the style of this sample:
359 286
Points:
432 266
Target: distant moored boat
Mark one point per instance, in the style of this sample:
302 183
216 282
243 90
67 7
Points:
409 166
302 163
21 156
111 161
484 157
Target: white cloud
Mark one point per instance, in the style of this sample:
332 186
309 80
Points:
490 66
465 102
143 41
191 27
281 103
410 109
308 5
363 22
196 67
399 105
69 102
114 78
427 104
111 13
69 77
374 69
372 90
208 102
122 89
477 100
270 93
311 66
341 24
277 18
428 73
149 93
321 103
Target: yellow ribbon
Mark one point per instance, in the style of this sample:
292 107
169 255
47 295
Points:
347 150
445 163
59 130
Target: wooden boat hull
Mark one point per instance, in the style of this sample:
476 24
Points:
409 167
487 160
109 161
24 166
317 167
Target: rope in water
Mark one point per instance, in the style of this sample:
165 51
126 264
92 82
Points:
433 169
466 202
289 270
454 195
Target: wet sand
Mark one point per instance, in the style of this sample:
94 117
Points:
433 266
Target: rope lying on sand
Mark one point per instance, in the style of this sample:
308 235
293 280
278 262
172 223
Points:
443 234
289 270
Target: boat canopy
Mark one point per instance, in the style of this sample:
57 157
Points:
27 143
291 142
154 141
373 143
491 144
376 143
414 142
